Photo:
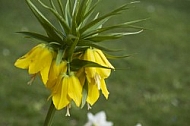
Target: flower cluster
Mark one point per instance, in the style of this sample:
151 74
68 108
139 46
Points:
71 63
66 85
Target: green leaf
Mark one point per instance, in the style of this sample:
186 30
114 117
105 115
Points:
61 7
71 50
111 36
84 94
49 28
122 25
77 64
96 26
91 44
74 16
52 4
81 11
60 56
115 57
59 17
37 36
107 16
80 49
68 13
86 12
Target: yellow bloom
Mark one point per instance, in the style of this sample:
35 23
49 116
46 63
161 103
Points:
96 76
54 73
38 59
67 88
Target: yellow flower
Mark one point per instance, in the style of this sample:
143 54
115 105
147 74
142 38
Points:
96 76
67 88
38 59
54 73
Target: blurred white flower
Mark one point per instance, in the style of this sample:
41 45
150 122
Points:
138 124
98 119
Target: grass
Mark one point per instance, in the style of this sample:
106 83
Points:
153 90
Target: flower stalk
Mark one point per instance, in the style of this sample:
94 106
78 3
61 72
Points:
50 115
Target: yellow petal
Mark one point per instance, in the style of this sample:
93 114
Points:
104 59
81 75
46 68
93 93
104 88
103 72
75 89
55 71
60 97
43 57
89 55
24 61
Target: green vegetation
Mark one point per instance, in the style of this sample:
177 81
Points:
153 89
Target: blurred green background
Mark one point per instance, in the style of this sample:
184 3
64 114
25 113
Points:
154 90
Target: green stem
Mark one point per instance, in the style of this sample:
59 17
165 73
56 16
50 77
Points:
50 115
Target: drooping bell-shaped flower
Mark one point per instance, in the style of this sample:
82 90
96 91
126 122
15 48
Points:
96 75
38 59
55 71
67 88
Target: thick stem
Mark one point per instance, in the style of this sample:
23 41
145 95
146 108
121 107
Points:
50 115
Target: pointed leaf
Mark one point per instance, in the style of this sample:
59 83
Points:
122 25
74 16
60 55
107 16
100 38
98 25
49 28
61 7
71 50
37 36
77 64
87 12
68 13
115 57
84 94
61 19
91 44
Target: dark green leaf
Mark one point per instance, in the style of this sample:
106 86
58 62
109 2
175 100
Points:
87 12
91 44
107 16
84 93
61 19
68 13
61 7
77 64
122 25
111 36
60 55
115 57
49 28
37 36
72 49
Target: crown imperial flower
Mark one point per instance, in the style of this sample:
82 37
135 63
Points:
96 75
67 88
55 71
38 59
72 65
